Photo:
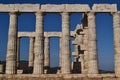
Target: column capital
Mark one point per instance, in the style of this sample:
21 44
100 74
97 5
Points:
31 37
40 13
19 37
91 13
65 13
47 38
14 13
115 13
46 35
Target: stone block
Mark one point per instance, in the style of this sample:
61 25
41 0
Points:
74 54
77 8
104 8
83 47
94 75
118 78
74 42
19 71
72 33
7 8
109 78
58 71
52 8
45 71
27 7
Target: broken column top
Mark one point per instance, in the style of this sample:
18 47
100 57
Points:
57 7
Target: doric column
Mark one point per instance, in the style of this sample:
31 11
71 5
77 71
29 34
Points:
47 52
39 52
66 60
116 28
12 44
31 52
85 41
18 52
92 46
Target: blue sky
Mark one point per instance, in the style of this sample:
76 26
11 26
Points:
52 22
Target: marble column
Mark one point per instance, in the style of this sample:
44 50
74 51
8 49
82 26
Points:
18 52
31 52
116 29
47 52
92 46
66 60
12 44
39 51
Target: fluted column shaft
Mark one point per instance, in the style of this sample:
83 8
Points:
116 28
39 52
92 46
31 52
66 61
47 52
12 43
18 52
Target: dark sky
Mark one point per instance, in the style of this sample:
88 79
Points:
52 22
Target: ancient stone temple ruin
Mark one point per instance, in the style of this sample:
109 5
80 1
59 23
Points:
85 53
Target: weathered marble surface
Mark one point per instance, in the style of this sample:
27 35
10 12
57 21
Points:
57 8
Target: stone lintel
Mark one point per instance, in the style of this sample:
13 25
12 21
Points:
77 8
53 8
57 8
104 8
26 34
19 7
7 8
46 34
27 7
54 34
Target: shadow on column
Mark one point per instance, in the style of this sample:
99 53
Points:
76 67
